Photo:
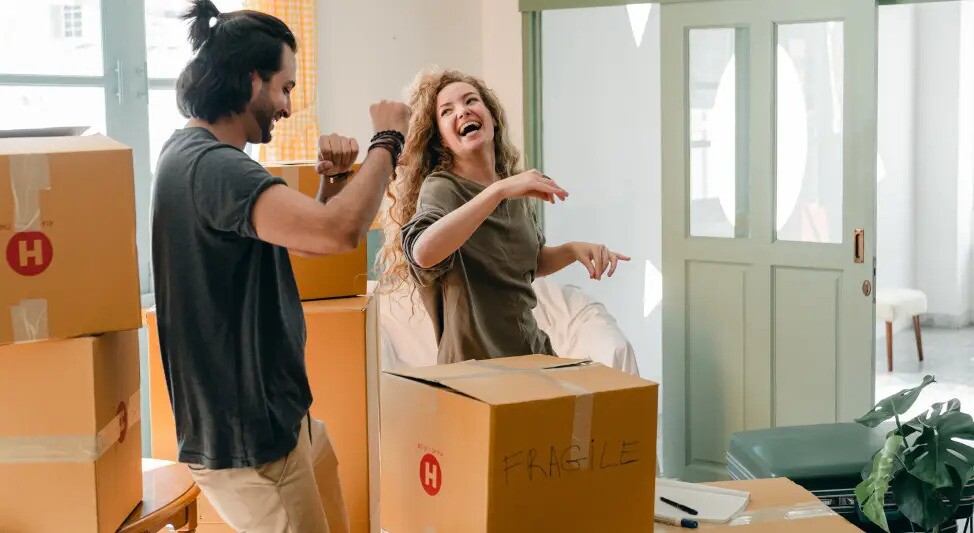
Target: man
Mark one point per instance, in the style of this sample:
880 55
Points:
231 327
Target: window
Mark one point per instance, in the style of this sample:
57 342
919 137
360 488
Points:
82 73
167 52
71 22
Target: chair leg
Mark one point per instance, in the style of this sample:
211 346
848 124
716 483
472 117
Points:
889 346
916 329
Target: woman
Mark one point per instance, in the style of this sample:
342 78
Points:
461 228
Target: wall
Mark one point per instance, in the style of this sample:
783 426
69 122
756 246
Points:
601 104
502 60
942 194
372 49
364 57
894 190
378 57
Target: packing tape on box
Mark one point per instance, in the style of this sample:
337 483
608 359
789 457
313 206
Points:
29 175
73 448
802 511
584 400
29 320
584 410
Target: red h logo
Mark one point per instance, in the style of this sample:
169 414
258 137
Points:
29 253
430 474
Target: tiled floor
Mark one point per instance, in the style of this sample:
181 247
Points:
948 355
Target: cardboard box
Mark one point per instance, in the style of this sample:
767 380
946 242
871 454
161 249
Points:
162 434
70 434
342 357
770 500
67 238
343 370
333 276
529 443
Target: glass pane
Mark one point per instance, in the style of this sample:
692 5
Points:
718 155
164 118
167 44
808 177
57 37
24 107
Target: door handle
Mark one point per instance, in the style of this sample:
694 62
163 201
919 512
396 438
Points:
859 247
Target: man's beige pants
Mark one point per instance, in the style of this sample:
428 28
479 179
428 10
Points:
284 496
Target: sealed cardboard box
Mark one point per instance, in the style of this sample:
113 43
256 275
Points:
70 434
333 276
777 506
162 434
343 371
530 443
67 238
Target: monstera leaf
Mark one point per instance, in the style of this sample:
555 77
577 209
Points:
896 404
923 505
935 451
924 462
872 491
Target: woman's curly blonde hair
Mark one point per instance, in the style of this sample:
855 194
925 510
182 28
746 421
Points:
423 154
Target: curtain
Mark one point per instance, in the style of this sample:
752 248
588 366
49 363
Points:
296 138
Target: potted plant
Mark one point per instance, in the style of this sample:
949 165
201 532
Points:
921 463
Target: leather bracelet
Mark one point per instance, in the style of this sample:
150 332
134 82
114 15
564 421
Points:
393 150
389 133
389 140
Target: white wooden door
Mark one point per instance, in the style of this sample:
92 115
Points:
769 150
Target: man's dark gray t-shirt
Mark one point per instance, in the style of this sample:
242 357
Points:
231 327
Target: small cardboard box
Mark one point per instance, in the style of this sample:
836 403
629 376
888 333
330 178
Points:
70 434
530 443
68 264
777 506
342 361
332 276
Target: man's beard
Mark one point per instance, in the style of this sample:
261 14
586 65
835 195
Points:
264 116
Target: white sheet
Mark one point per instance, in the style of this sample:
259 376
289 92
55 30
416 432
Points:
578 326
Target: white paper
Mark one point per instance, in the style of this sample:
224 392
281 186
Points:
714 504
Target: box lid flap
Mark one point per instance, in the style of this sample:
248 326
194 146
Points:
355 303
523 379
294 163
60 131
471 368
56 145
298 163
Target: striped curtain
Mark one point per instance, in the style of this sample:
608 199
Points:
296 138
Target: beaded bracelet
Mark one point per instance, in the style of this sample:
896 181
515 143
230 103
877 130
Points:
389 133
392 141
393 149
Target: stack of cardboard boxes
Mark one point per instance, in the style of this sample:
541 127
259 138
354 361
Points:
70 433
342 364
